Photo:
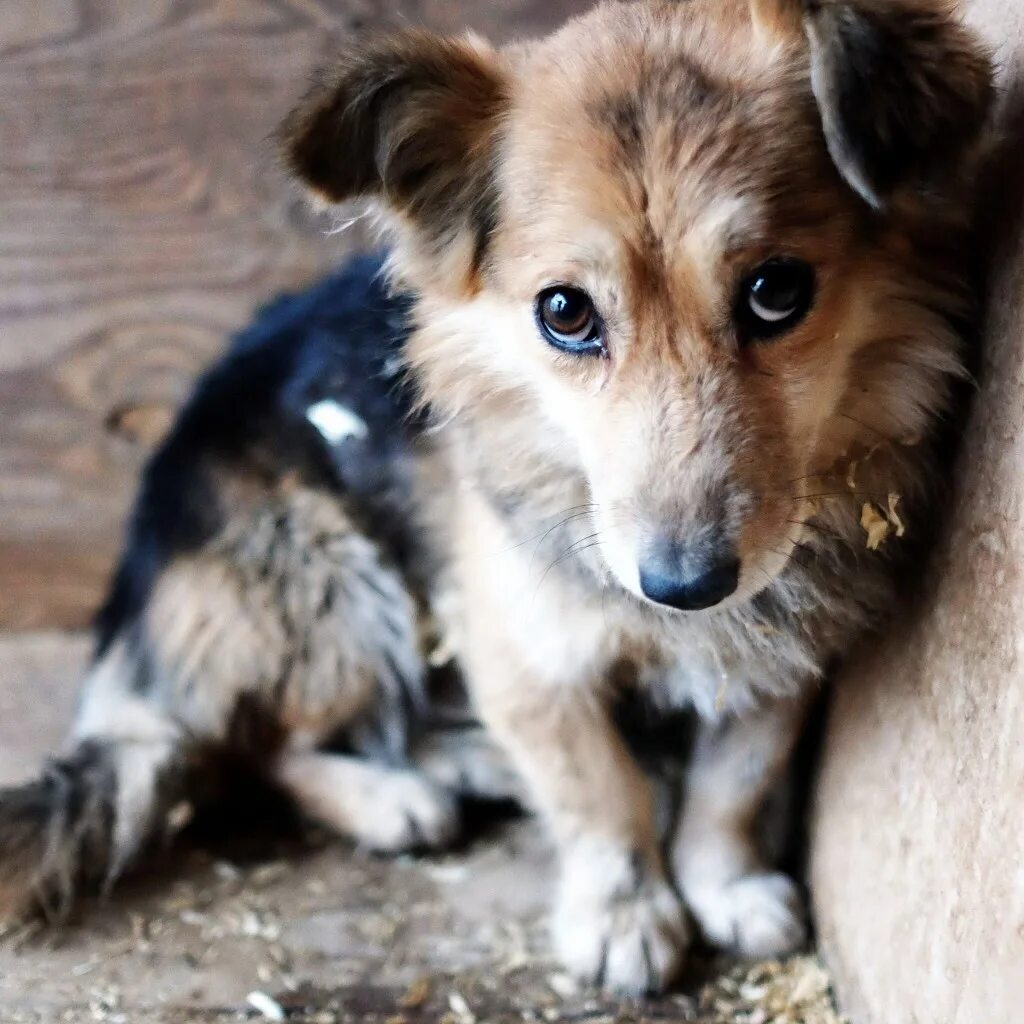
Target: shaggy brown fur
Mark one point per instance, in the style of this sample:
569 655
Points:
287 627
650 155
271 607
653 157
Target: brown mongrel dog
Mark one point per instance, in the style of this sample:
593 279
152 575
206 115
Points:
687 291
677 269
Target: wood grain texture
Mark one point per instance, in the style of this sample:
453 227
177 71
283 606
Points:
142 218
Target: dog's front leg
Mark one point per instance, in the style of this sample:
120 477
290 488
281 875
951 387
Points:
740 904
618 920
535 659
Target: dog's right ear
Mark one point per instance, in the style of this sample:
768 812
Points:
410 119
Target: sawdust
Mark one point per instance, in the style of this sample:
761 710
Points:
416 995
797 991
417 951
266 1006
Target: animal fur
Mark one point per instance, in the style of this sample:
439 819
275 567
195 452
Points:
650 155
271 602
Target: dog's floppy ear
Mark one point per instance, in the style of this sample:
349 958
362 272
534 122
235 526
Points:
410 119
903 88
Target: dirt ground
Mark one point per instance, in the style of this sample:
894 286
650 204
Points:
253 917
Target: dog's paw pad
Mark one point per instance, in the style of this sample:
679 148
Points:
633 945
756 916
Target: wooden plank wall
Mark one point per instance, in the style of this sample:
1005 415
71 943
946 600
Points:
141 219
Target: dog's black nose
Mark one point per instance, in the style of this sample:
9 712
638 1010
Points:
665 583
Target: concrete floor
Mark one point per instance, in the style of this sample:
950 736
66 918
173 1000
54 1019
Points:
253 919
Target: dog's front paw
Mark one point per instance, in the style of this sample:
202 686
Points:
620 926
756 916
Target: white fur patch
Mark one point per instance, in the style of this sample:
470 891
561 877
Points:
336 422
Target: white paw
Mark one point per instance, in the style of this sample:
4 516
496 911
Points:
406 812
629 937
756 916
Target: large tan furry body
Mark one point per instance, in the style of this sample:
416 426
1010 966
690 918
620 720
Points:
647 156
657 160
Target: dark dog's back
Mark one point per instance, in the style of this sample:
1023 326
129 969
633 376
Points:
336 347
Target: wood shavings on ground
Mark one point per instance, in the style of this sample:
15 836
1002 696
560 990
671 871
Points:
320 934
416 994
797 991
460 1008
266 1006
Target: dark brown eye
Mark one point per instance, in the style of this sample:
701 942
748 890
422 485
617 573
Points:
568 320
773 298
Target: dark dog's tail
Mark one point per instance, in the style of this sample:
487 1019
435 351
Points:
81 823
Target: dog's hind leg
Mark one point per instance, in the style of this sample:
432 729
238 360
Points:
740 904
385 809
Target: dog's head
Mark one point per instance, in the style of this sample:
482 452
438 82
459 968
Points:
710 247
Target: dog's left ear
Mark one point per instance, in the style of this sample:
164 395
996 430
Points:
903 88
409 119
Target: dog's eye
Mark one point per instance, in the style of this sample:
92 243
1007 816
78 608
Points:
568 320
774 297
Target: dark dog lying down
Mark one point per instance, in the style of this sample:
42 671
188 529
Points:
271 599
686 289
